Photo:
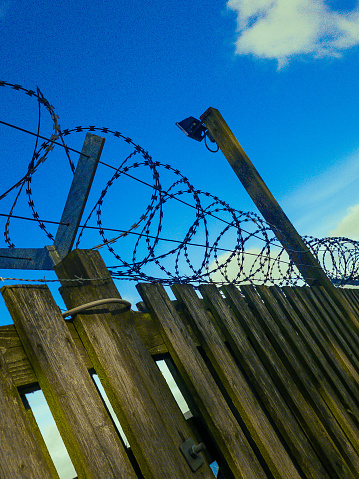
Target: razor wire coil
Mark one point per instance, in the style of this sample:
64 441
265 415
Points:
268 264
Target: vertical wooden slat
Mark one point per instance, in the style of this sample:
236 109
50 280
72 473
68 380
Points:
236 386
21 454
140 397
225 430
289 388
301 375
331 365
293 435
352 298
311 362
349 329
86 429
334 327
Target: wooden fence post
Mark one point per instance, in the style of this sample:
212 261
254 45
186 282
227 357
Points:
291 241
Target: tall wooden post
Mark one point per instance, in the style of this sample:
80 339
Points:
304 260
291 241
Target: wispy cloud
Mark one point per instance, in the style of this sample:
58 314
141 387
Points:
318 206
348 227
282 29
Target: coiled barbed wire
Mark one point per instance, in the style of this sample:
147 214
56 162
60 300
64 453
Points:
235 246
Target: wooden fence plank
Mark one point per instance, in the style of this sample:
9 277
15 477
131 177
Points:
311 361
302 410
352 298
331 365
349 329
225 430
86 429
300 374
140 397
293 435
236 386
21 454
341 339
18 363
21 369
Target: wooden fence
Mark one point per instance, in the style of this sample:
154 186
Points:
270 376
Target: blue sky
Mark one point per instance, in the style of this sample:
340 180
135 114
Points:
283 74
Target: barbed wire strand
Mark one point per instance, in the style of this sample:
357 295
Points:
338 256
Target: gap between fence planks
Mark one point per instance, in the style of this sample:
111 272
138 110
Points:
225 430
280 413
149 416
86 429
22 451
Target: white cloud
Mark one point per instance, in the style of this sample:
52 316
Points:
348 227
282 29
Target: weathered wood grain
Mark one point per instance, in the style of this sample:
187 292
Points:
222 425
325 347
340 339
282 416
310 388
288 386
86 429
140 397
236 386
349 327
21 455
312 363
21 370
352 298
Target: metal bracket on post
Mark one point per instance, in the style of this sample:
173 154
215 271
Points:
191 453
46 258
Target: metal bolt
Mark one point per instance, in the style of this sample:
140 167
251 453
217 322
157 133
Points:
195 450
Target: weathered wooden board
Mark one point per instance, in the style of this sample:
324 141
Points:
351 296
273 373
311 362
323 345
21 454
236 386
334 328
149 416
311 388
221 423
258 376
21 370
277 366
86 429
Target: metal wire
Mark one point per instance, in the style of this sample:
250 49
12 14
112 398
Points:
237 247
